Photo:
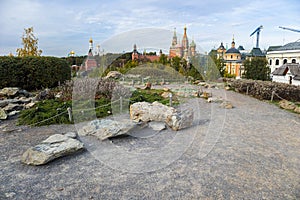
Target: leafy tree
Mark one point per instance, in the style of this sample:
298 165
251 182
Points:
175 63
30 44
219 62
163 59
257 69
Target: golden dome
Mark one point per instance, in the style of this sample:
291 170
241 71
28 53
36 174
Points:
91 40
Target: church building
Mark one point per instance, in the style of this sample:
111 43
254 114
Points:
183 49
90 61
232 58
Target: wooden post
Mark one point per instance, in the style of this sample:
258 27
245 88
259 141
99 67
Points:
121 104
69 113
247 91
170 96
273 92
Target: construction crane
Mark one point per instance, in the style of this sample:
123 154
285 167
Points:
290 29
257 31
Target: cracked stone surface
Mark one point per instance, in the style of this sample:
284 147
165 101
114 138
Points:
255 156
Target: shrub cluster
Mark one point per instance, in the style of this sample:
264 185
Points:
263 89
33 73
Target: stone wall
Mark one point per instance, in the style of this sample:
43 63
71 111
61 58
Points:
263 89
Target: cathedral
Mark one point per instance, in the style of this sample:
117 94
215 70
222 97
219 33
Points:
183 49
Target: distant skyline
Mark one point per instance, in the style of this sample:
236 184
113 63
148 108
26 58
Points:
62 26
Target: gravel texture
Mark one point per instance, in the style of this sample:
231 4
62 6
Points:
248 152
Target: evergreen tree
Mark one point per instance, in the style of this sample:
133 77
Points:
257 69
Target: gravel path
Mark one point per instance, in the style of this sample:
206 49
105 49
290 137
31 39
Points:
249 152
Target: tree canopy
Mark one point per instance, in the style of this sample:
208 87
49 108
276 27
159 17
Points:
30 44
257 69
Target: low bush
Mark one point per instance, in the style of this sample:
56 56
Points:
33 73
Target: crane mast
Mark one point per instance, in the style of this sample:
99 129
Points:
257 31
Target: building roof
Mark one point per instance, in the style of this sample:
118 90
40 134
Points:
221 47
297 77
273 48
233 50
241 48
256 52
281 71
294 69
193 44
290 46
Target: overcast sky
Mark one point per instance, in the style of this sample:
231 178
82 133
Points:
65 25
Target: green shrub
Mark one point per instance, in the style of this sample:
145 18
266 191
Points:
54 111
33 73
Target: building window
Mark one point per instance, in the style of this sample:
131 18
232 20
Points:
231 56
237 57
293 60
284 61
270 61
277 62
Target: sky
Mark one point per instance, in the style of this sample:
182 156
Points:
64 25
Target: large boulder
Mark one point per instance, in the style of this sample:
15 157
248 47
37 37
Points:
113 75
287 105
13 106
9 91
3 114
146 112
297 110
53 147
107 128
3 103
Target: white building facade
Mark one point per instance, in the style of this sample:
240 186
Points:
289 53
284 63
288 73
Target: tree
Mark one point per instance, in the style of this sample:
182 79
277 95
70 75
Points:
257 69
163 59
30 44
219 62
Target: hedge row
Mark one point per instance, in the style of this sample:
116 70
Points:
33 73
263 89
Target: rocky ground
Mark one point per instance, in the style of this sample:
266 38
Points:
248 152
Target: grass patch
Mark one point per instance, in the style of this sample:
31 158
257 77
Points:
44 111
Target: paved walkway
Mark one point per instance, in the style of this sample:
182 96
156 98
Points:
249 152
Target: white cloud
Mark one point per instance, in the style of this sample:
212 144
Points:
62 26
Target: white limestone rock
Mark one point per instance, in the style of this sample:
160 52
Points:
9 91
146 112
3 114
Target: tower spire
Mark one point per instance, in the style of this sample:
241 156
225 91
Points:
233 43
174 40
185 42
91 44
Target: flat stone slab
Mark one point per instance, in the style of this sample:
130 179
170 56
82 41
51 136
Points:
53 147
107 128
